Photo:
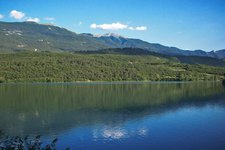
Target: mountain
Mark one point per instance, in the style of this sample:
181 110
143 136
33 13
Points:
116 41
32 36
220 53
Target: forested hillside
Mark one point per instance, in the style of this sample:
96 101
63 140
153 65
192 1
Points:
102 66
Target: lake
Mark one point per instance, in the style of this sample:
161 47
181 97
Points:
118 115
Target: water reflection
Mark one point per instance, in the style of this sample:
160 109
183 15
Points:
108 110
116 133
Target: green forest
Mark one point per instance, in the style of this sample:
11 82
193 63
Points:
101 66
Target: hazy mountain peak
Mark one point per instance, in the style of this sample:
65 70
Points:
109 35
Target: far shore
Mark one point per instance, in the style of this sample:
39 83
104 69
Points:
110 82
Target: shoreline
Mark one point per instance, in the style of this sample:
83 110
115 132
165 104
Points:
111 82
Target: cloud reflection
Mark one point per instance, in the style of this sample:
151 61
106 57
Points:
117 133
143 131
114 133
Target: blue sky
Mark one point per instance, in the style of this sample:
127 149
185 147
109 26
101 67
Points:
187 24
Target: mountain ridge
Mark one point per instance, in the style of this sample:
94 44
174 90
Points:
156 47
16 36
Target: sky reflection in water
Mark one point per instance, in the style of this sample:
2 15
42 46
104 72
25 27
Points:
117 116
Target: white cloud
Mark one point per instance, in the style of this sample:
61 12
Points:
141 28
33 19
49 18
93 26
131 28
117 26
17 14
113 26
80 23
1 16
20 15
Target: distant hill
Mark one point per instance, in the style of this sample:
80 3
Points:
201 60
194 60
220 53
16 36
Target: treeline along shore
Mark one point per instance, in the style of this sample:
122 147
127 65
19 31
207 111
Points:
108 65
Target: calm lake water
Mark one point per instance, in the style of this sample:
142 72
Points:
137 115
